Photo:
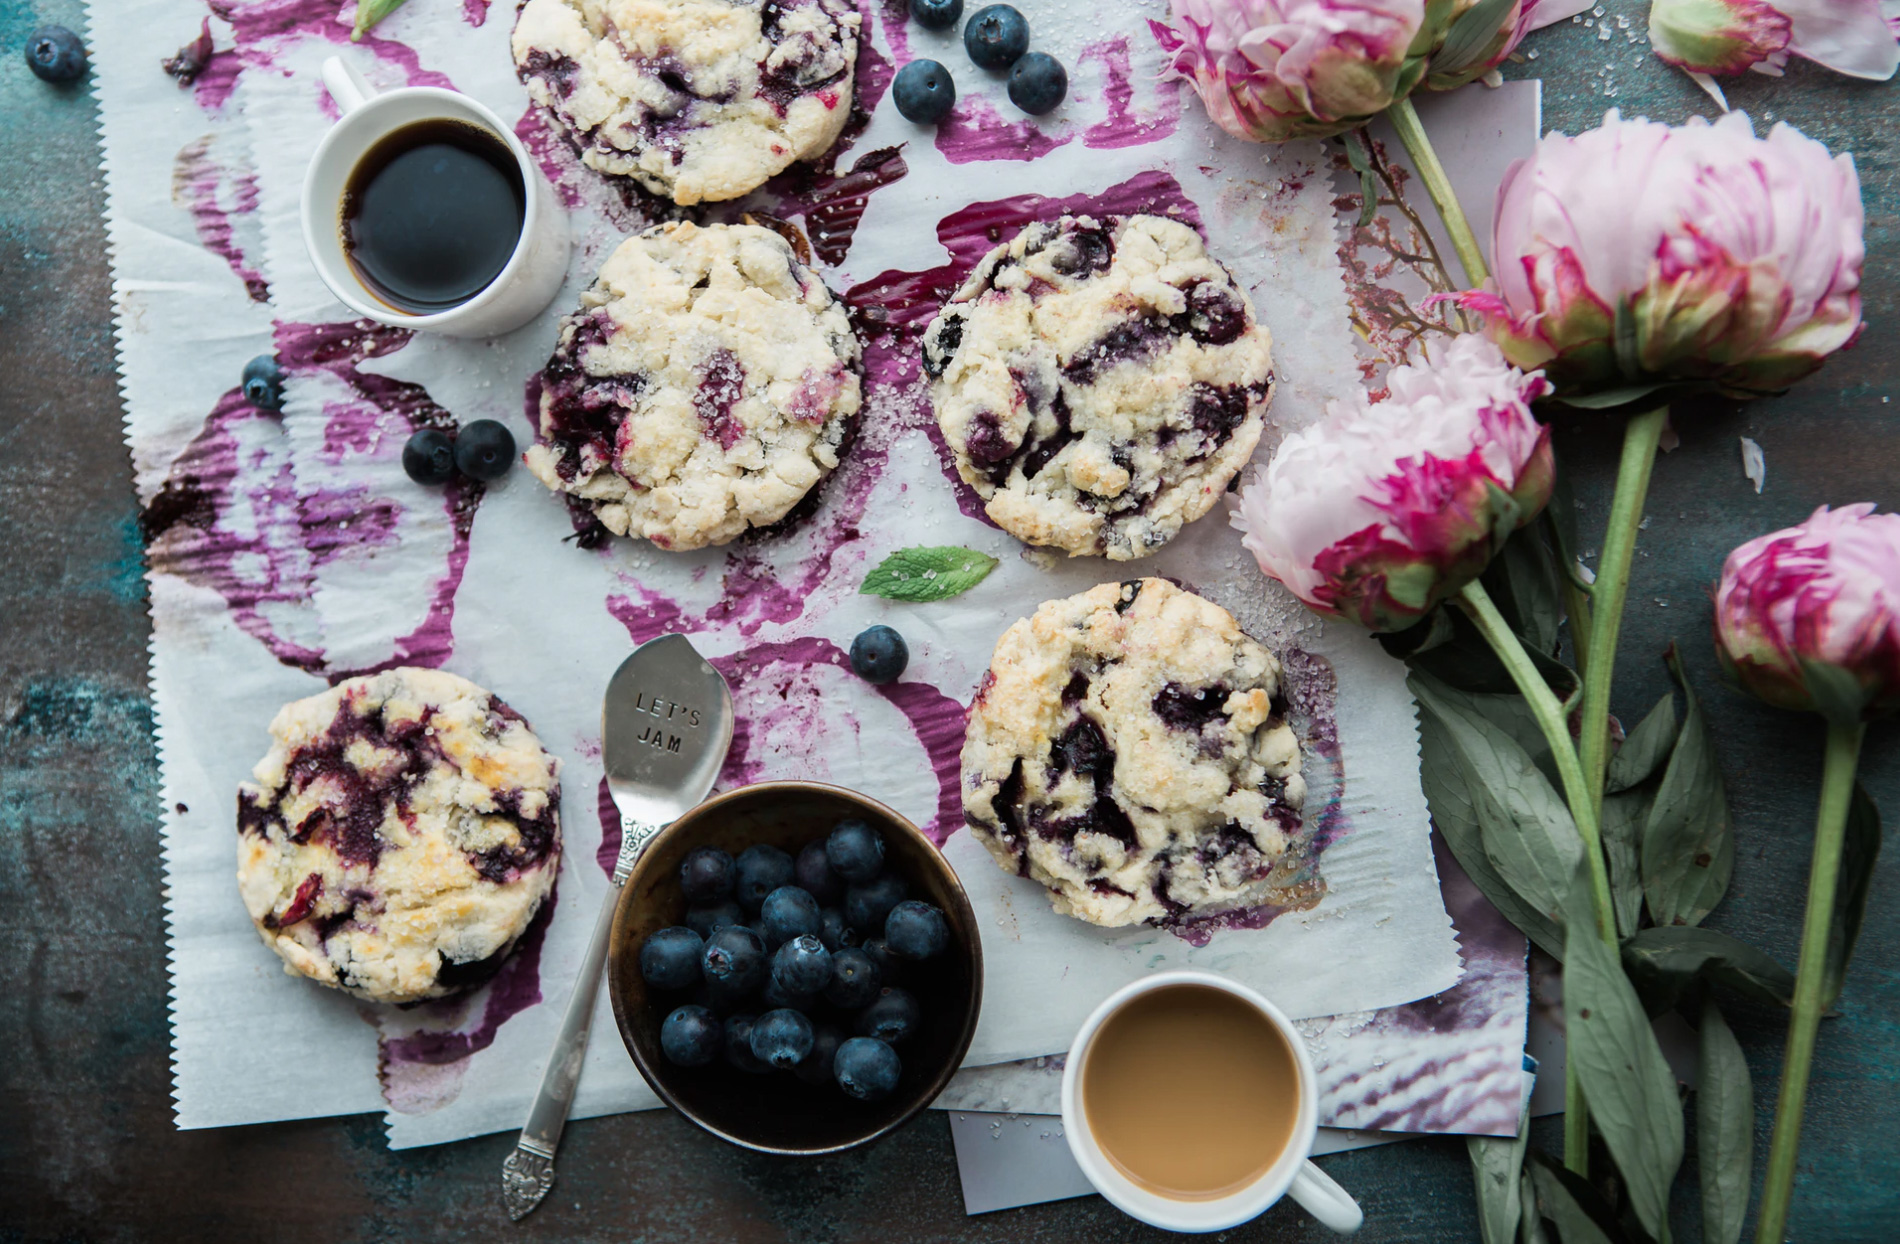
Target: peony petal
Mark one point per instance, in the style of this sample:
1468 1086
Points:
1847 36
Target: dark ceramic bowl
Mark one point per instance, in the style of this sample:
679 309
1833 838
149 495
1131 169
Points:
779 1113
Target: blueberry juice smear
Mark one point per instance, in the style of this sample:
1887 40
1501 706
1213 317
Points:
432 213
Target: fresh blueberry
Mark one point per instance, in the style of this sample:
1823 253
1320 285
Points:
1038 83
691 1036
760 870
833 931
263 383
879 655
867 906
816 1069
802 965
429 456
854 979
55 54
739 1044
706 875
765 935
734 958
996 36
703 918
775 995
890 968
485 450
936 14
866 1068
923 92
855 852
891 1017
916 930
789 912
727 998
670 958
813 873
782 1038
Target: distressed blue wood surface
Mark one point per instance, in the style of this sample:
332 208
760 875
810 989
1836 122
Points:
87 1151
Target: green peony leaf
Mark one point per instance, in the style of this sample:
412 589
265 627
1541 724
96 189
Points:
1470 35
1572 1204
925 574
370 12
1497 1168
1725 1129
1646 748
1688 848
1665 960
1368 180
1859 850
1622 824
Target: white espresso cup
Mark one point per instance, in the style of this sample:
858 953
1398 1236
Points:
534 271
1290 1175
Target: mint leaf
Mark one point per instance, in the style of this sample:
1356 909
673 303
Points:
369 12
926 574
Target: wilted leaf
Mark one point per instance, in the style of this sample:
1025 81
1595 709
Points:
1664 961
1859 850
926 574
1725 1129
1646 748
1368 180
1688 848
1622 820
1573 1205
1530 1223
1497 1166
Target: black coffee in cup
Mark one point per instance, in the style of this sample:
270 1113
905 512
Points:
432 213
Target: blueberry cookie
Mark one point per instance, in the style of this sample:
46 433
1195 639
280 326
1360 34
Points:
1128 749
400 835
1100 383
697 100
708 381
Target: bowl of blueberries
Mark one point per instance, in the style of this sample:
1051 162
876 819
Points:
795 968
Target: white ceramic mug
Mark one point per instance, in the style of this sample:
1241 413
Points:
534 272
1290 1175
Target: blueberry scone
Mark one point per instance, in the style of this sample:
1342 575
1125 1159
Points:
1100 383
1128 750
708 381
697 100
400 835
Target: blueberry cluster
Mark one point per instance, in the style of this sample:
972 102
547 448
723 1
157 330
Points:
779 958
997 39
483 449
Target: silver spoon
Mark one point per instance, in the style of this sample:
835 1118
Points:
666 728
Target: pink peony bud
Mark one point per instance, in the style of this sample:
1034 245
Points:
1809 617
1728 36
1384 509
1642 255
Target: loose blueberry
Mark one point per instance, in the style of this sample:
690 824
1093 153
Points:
739 1044
759 871
878 655
936 14
802 965
923 92
782 1038
813 873
703 918
429 456
670 958
856 853
892 1017
734 958
916 930
789 912
485 450
833 931
263 383
854 979
890 968
816 1069
1038 83
706 875
691 1036
866 1068
996 36
55 54
867 906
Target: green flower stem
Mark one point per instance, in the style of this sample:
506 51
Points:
1824 874
1411 132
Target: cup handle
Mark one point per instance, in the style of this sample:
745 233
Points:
1324 1199
347 87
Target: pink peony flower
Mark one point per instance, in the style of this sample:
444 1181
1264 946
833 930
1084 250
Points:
1809 618
1385 509
1728 36
1641 255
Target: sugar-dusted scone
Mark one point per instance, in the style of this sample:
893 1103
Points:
707 382
400 835
1099 382
697 100
1128 749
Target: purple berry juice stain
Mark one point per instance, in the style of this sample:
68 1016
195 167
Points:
213 195
1123 127
975 131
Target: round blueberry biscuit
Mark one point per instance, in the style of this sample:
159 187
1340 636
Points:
400 835
708 381
1128 749
1100 383
697 100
